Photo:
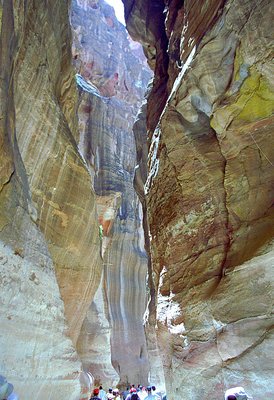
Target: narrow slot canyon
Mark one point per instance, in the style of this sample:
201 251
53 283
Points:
136 198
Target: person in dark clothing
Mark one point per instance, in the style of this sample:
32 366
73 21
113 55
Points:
95 395
125 393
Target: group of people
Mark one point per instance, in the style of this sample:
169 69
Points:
131 393
149 393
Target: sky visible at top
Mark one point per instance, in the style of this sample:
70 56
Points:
119 9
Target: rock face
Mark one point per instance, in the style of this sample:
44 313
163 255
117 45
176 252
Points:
112 80
54 321
207 211
59 180
209 192
50 247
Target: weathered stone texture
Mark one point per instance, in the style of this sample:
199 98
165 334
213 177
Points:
209 195
44 197
45 103
112 79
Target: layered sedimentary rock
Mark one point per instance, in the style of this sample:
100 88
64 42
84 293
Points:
45 103
156 373
209 192
50 249
112 79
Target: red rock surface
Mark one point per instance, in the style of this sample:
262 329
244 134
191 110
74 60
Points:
209 193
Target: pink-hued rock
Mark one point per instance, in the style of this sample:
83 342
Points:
50 247
209 192
112 79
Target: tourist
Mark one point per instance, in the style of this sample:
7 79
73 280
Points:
158 396
150 396
125 393
238 392
131 391
6 388
95 394
134 395
102 393
142 394
116 394
110 395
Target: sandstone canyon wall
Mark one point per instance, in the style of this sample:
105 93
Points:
209 192
63 173
69 300
49 245
112 79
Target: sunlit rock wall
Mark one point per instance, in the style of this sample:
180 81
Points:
50 247
112 80
156 373
210 191
45 102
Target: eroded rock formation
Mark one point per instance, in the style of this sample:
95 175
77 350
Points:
209 192
49 244
50 215
206 205
112 80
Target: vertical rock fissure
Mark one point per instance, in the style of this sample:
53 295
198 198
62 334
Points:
226 223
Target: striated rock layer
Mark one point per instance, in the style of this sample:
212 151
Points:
112 80
49 249
51 252
45 106
209 192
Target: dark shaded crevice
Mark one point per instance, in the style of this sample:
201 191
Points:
6 182
8 48
227 243
155 38
140 177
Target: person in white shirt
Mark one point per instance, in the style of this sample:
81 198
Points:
158 395
142 394
238 392
110 395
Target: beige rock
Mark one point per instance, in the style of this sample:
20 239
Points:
37 112
209 195
112 80
94 342
59 181
36 354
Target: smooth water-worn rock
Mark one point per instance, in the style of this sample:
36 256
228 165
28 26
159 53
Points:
45 106
112 80
210 191
49 250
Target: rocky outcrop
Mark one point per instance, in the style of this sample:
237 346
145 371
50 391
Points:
209 193
50 249
112 80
